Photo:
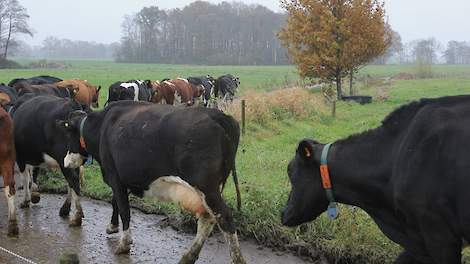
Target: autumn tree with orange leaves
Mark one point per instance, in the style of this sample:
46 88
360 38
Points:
328 39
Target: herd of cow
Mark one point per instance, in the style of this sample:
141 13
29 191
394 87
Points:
411 174
143 144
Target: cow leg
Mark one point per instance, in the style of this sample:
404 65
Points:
26 181
442 245
65 208
73 180
9 189
77 218
122 200
113 227
35 195
205 225
225 222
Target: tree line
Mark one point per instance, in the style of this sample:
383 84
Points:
203 33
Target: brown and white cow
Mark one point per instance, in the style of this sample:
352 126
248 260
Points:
7 163
177 91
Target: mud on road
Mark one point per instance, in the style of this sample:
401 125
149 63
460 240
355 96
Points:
44 237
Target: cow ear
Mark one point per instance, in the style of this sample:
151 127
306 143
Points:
305 150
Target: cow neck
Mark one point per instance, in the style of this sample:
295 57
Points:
360 171
90 132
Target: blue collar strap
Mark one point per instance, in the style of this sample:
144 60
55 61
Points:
10 109
332 210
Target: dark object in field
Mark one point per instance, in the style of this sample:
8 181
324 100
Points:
178 154
226 86
358 99
411 175
43 79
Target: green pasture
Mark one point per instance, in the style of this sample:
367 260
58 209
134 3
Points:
265 150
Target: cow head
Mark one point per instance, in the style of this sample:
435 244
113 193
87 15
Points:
76 153
120 93
307 199
156 93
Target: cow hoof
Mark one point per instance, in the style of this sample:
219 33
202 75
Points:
35 197
65 210
24 204
123 248
112 229
76 221
13 229
188 259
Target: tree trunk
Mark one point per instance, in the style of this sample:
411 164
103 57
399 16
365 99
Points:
8 39
351 76
339 91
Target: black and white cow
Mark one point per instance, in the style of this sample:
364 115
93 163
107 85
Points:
134 90
226 86
208 82
162 152
39 141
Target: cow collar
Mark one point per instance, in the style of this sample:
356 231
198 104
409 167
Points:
332 211
10 109
89 158
82 138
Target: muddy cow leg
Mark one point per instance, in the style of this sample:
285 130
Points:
122 200
9 189
225 221
72 177
26 174
205 224
35 195
113 226
65 209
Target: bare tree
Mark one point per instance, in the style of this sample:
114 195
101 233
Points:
13 22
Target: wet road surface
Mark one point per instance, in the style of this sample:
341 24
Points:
44 237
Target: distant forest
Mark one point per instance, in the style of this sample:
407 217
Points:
212 34
203 33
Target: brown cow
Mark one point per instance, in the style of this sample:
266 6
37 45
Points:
7 163
87 93
164 92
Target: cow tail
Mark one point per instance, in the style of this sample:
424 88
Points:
237 187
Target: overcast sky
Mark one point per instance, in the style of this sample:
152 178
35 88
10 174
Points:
100 20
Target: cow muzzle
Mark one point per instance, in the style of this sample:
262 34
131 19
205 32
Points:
73 160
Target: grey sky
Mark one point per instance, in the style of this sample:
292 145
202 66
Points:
100 20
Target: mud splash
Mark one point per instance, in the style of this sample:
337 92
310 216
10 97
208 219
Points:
44 237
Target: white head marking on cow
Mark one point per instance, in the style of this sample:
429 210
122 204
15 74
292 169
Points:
136 89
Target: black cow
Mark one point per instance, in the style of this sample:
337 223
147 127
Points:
43 79
39 141
162 152
411 175
8 97
226 87
68 91
135 90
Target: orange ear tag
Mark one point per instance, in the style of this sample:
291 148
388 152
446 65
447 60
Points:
325 176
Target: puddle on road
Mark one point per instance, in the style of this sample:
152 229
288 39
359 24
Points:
44 237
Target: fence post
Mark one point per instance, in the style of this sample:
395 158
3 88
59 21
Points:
243 116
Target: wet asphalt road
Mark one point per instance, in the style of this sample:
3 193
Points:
44 237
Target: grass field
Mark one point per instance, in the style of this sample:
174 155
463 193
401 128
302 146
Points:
267 148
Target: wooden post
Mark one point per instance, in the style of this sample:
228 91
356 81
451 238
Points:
243 117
